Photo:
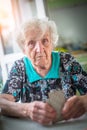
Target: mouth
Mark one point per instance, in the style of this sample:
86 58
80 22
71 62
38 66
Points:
40 56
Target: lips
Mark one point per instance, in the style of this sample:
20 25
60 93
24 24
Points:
40 55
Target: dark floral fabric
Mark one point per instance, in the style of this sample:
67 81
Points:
72 78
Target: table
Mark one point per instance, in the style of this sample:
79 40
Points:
9 123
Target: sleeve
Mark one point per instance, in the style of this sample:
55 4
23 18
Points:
79 77
77 74
14 82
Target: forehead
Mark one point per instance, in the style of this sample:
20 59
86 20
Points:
37 33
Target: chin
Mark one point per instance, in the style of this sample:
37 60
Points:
40 64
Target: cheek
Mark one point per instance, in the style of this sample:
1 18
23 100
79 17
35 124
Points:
26 52
30 54
49 51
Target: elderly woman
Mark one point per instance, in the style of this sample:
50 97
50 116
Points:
42 71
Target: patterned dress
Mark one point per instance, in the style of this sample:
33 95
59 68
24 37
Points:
71 78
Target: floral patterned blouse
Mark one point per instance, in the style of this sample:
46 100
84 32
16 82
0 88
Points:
72 78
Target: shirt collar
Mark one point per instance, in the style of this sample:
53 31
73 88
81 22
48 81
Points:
53 72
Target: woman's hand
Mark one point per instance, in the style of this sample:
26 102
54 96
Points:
74 107
40 112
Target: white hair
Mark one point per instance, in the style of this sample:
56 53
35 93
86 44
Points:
34 24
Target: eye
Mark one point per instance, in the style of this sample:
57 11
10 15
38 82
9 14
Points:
31 44
45 41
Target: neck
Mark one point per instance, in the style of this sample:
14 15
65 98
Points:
42 70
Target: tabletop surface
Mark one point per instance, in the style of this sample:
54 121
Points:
8 123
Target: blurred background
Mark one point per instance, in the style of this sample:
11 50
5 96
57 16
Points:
69 15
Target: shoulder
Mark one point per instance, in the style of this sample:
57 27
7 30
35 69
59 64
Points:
66 57
18 66
19 62
69 63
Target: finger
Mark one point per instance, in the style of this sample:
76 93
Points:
70 104
69 108
39 111
42 121
75 110
45 122
44 114
41 117
44 106
79 113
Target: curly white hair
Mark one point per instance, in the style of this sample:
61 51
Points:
33 25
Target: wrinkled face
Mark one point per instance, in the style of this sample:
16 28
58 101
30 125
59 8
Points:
38 49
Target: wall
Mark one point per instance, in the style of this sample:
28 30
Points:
71 21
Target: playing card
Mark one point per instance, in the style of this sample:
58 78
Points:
56 100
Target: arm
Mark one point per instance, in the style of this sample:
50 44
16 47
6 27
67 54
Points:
13 87
37 111
9 106
77 105
6 96
84 100
3 99
14 82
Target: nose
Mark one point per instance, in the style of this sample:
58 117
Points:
39 46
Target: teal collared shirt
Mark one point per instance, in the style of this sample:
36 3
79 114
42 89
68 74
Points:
53 72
